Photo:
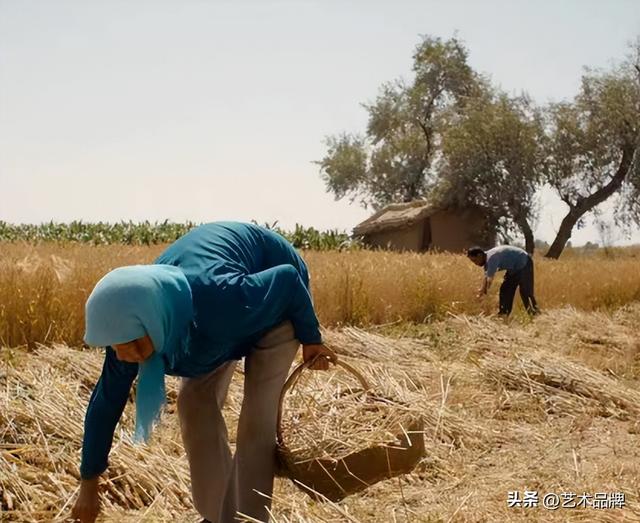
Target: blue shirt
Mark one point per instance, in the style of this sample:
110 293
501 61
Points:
244 281
505 258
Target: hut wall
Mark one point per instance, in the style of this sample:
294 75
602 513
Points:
405 239
455 232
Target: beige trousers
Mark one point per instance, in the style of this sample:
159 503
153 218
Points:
224 488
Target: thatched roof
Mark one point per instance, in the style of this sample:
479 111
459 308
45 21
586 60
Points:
395 216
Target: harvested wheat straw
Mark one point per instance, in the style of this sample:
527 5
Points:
328 417
576 384
476 451
41 426
43 397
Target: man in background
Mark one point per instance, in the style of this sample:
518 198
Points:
518 265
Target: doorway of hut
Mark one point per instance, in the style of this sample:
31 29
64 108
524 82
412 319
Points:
426 235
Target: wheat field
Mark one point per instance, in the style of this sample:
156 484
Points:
43 287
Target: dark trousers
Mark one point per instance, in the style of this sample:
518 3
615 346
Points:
523 279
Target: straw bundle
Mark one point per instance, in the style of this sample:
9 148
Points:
568 383
330 417
358 343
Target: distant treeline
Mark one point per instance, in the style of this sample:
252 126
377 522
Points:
148 233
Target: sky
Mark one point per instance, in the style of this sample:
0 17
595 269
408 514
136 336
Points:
209 110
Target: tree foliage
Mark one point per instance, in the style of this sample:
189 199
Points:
492 156
450 136
593 148
393 161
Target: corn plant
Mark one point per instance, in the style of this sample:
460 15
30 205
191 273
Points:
147 233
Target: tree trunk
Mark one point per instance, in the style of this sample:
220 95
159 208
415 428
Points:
564 233
529 242
584 205
519 214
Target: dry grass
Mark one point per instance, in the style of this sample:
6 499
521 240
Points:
43 287
549 405
330 418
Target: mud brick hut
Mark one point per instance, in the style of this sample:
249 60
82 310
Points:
418 226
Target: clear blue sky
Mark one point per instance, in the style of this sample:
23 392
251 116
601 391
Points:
209 110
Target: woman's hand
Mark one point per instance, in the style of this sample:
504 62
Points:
87 506
320 353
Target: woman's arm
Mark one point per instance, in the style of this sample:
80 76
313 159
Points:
105 408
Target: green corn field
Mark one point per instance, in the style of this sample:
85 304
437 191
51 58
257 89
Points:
148 233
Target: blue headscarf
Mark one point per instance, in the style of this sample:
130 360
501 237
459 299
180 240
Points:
131 302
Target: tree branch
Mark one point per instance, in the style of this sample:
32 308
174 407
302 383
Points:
596 198
584 205
427 136
566 199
